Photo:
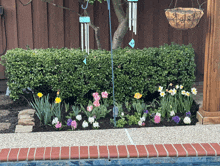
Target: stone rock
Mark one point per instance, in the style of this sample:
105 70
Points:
23 129
5 126
26 122
27 111
25 116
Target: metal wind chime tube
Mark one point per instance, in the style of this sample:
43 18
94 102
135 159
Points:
85 20
133 14
132 19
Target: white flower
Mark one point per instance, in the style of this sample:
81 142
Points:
122 114
187 120
142 119
172 113
194 91
187 94
96 124
85 124
158 114
140 123
183 92
173 92
160 89
91 120
177 86
162 94
55 120
181 87
78 117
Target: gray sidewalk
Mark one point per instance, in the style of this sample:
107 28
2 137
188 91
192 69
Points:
131 136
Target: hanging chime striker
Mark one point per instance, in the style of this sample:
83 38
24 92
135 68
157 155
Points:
132 18
84 20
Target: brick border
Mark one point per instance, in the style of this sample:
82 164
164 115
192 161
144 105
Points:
111 151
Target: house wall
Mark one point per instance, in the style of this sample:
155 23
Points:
42 25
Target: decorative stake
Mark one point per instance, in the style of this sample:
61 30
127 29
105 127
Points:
132 18
85 20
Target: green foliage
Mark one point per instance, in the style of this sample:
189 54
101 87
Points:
135 71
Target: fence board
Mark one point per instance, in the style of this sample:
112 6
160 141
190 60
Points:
40 26
24 32
56 27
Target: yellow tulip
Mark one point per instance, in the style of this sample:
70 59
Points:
39 95
57 100
137 95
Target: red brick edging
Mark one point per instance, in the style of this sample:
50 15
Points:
113 151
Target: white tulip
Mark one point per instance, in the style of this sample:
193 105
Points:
79 117
91 120
187 120
140 123
122 114
96 124
172 113
85 124
55 120
142 119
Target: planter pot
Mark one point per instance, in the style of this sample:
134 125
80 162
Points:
183 18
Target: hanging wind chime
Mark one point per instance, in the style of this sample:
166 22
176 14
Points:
132 19
84 21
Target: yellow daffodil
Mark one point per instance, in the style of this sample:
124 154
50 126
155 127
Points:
58 92
183 92
181 87
160 89
170 84
187 94
57 100
194 91
162 94
166 90
177 86
137 95
170 91
39 95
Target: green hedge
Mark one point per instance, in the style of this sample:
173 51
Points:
135 70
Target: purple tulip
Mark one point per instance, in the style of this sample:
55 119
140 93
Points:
176 119
188 114
69 122
146 111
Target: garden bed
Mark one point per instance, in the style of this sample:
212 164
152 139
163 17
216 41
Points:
129 114
104 123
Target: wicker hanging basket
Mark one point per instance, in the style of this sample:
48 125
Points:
184 18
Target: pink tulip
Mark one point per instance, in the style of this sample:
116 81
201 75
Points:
97 97
74 124
157 119
95 94
89 108
58 125
104 94
96 103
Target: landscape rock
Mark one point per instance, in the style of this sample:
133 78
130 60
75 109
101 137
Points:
26 122
23 129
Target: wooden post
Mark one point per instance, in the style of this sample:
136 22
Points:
209 113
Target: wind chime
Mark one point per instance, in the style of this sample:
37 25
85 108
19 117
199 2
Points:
84 21
132 19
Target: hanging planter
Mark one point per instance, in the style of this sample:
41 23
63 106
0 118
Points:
184 18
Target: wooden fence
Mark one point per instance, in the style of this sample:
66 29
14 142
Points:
42 25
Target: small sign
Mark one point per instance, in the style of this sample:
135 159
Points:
84 61
85 19
132 43
115 111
